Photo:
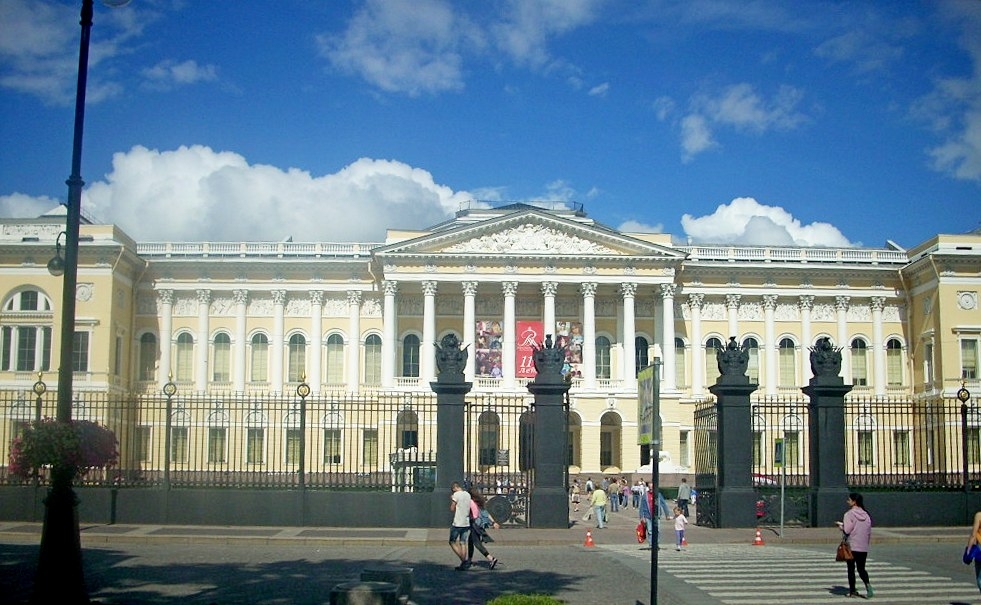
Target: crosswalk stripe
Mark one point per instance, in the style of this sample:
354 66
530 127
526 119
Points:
738 574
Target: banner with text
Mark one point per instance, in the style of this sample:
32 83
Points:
530 336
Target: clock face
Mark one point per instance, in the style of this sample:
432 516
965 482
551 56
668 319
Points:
967 300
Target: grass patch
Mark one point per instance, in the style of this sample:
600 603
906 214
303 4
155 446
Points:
525 599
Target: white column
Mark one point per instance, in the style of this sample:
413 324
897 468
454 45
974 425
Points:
354 341
204 341
470 327
508 344
629 363
695 302
314 377
589 335
806 304
427 349
667 335
732 308
878 347
549 289
389 331
841 307
165 299
241 298
770 346
277 348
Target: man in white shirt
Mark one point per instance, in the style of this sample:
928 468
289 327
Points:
460 530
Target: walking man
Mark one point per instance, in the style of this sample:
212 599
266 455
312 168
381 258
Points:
460 529
684 496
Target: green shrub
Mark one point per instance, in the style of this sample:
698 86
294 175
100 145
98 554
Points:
525 599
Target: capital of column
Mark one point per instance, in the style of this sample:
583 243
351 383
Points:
509 288
390 287
550 288
469 288
695 301
668 290
770 301
877 303
429 288
732 301
317 297
278 297
354 297
628 289
204 296
166 297
240 297
841 302
806 301
589 289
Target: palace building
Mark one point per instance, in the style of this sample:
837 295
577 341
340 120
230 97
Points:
252 318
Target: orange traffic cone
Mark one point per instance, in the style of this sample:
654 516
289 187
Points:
758 540
589 538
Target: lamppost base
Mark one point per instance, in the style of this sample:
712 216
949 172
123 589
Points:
60 577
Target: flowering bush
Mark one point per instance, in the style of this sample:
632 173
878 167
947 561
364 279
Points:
80 446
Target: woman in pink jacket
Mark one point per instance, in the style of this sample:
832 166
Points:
857 525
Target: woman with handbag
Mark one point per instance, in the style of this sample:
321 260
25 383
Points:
479 517
975 539
857 527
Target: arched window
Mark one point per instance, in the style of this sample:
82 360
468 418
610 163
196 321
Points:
894 362
603 369
712 345
609 442
860 362
148 356
407 429
641 358
680 371
372 359
297 358
410 356
526 441
335 359
753 368
574 455
25 344
788 363
222 366
260 358
184 352
488 438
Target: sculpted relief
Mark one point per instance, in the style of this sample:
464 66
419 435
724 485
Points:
531 238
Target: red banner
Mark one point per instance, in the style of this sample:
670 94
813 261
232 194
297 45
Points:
530 334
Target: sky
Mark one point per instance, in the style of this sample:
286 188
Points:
750 122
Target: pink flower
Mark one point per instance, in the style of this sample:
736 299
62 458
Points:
80 445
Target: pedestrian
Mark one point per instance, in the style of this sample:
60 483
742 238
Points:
625 493
857 527
613 495
597 500
576 493
684 496
976 539
589 485
647 516
460 529
680 521
480 520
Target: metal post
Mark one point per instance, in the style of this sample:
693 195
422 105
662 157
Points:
169 389
655 456
39 389
963 395
303 390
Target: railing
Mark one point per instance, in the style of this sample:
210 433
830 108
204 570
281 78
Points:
254 249
778 254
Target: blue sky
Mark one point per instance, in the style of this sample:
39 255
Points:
740 121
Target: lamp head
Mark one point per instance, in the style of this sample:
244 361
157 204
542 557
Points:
56 266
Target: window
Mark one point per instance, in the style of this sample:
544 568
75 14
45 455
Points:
526 441
603 357
372 359
865 448
860 363
969 359
679 363
293 446
141 439
297 358
488 436
641 354
753 368
574 453
712 345
894 363
407 429
335 359
332 446
216 445
609 440
791 448
80 352
185 358
178 444
973 437
900 448
117 363
255 445
757 448
410 356
928 363
26 345
369 447
685 459
260 358
223 358
788 363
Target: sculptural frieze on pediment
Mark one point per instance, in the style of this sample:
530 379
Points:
532 238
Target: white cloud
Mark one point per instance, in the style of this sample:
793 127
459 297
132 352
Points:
525 33
638 227
696 136
169 74
746 221
600 90
198 194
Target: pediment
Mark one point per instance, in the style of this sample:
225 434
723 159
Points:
530 233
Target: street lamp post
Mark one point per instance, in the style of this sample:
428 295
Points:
303 391
60 577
